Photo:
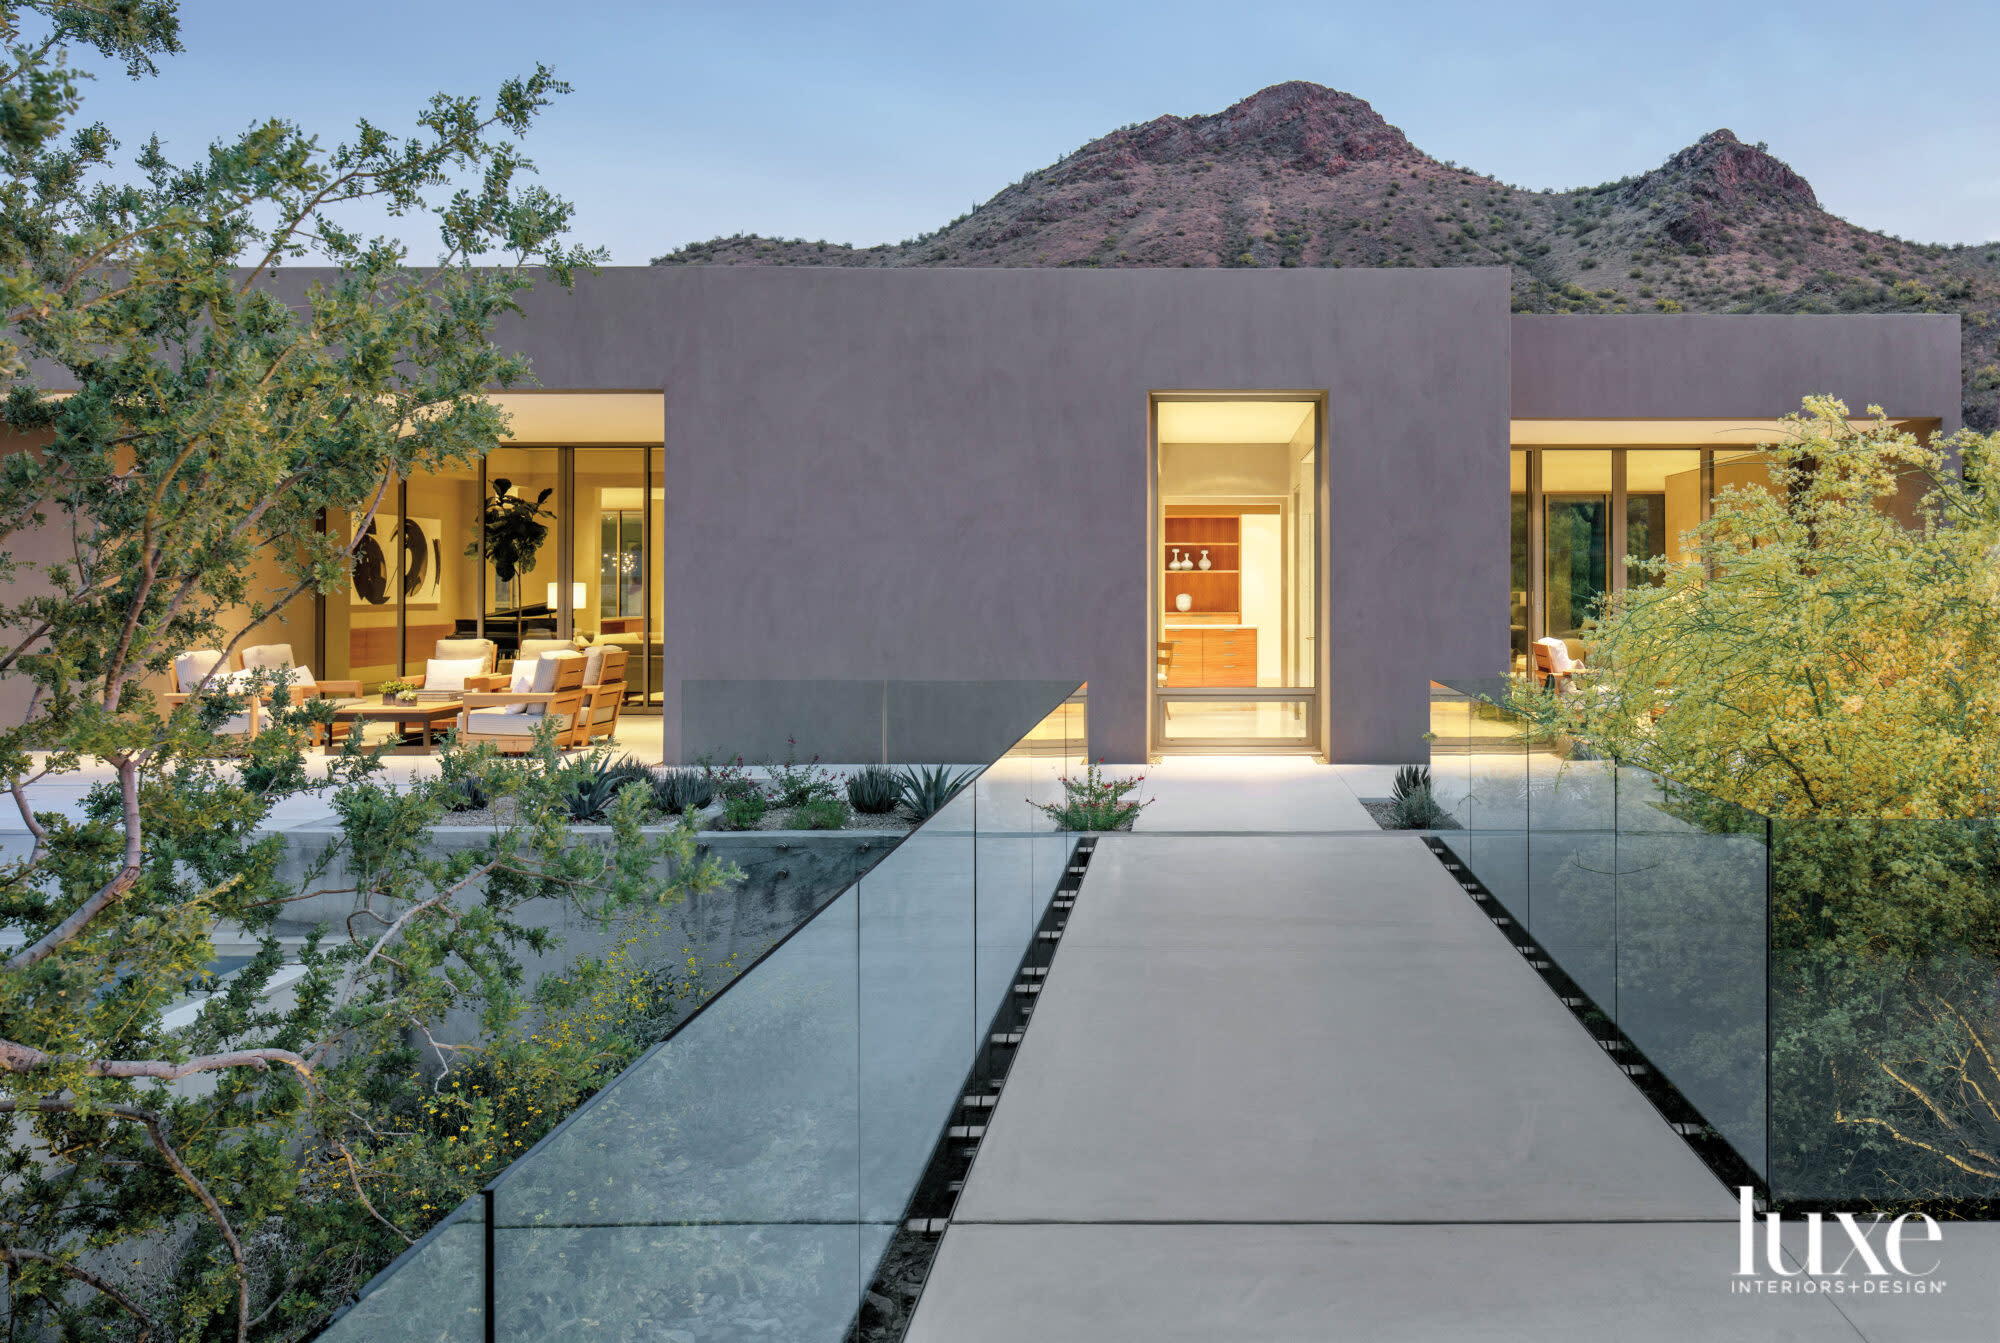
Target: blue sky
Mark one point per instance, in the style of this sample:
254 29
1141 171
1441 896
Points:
872 123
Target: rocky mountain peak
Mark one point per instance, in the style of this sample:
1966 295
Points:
1303 125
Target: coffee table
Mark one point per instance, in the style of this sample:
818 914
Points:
429 717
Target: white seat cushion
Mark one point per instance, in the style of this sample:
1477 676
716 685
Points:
593 665
508 722
457 650
277 657
450 673
1558 654
192 665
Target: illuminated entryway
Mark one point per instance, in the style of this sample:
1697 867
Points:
1236 560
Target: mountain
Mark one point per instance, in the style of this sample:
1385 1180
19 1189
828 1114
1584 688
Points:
1303 175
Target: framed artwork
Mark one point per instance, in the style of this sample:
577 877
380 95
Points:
377 561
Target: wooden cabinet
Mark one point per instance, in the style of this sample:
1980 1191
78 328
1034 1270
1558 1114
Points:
1212 657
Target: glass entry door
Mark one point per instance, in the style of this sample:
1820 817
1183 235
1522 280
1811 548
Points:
1236 559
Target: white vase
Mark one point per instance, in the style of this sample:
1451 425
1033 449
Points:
1204 559
1182 602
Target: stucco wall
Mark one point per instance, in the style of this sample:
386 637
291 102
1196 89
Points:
943 474
1683 367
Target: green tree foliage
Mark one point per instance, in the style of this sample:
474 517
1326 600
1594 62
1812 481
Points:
186 406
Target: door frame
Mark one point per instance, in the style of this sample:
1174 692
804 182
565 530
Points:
1314 696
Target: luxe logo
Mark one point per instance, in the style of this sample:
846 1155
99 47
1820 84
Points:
1877 1266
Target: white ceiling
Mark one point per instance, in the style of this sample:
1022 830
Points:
583 417
1231 421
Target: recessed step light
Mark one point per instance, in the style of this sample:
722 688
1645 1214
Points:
973 1132
929 1226
1006 1037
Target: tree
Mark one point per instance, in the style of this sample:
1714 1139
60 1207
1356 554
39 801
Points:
1828 656
1815 653
187 409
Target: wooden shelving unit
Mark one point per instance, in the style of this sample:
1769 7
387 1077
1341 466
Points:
1216 589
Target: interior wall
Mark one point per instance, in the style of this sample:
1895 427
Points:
1263 591
1233 469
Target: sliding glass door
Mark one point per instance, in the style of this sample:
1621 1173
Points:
530 543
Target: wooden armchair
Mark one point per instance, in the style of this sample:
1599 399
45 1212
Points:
603 696
189 670
508 718
1554 664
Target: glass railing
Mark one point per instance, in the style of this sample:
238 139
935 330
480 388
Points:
743 1178
1824 995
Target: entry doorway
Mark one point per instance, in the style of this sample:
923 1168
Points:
1236 573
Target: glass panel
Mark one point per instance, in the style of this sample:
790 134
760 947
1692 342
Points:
438 579
611 556
1692 900
1573 865
917 1008
1576 521
1495 810
743 1179
434 1293
1885 1012
1663 494
523 553
1236 720
361 618
1238 537
728 1154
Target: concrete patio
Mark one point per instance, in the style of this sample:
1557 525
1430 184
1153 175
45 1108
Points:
1295 1086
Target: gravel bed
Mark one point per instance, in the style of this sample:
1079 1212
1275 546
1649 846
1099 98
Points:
1383 808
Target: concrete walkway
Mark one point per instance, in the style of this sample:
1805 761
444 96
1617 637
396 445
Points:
1297 1087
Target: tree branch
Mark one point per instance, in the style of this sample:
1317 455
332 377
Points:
26 1059
15 1256
354 1173
108 894
156 1131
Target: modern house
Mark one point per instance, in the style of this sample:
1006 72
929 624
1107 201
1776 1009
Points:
1253 509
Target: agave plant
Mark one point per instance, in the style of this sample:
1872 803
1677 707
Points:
1415 808
596 780
676 790
1408 780
927 788
874 790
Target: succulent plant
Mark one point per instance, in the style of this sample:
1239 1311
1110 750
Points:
676 790
1408 780
596 781
927 788
874 790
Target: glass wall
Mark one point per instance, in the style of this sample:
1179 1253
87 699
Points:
1576 530
1581 518
532 543
530 593
619 508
